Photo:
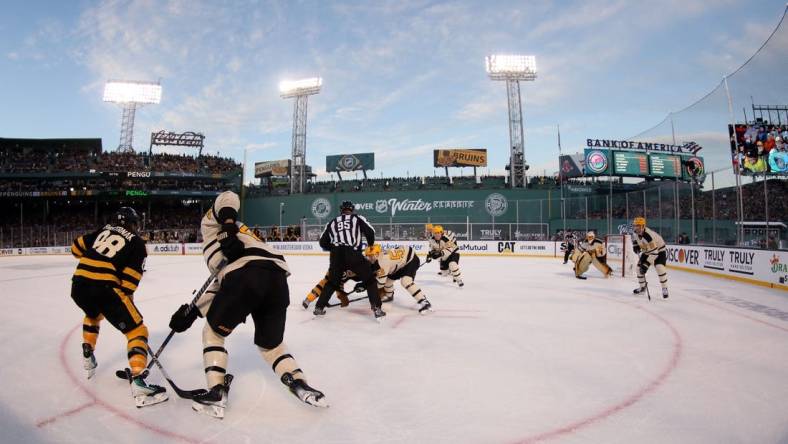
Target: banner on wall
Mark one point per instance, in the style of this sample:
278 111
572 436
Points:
460 157
760 265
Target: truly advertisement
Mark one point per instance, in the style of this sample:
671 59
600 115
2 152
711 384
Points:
760 265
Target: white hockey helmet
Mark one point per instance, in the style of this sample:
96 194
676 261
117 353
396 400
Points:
226 206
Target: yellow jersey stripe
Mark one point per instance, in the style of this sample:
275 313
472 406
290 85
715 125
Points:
81 243
97 263
129 285
96 276
76 252
135 315
133 273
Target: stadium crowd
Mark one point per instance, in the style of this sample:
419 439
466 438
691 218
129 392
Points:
32 161
760 148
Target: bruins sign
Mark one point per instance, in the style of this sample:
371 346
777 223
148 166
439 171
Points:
460 157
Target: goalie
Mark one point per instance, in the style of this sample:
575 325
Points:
651 247
397 264
591 251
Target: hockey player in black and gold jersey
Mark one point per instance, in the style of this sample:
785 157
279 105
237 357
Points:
401 264
108 273
253 282
652 251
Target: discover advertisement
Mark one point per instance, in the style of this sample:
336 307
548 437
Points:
763 266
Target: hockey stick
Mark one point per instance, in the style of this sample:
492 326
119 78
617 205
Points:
192 305
185 394
337 304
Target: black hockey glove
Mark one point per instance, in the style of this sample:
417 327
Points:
183 318
429 259
435 254
231 246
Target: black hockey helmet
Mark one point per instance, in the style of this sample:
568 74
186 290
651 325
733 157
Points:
126 217
347 206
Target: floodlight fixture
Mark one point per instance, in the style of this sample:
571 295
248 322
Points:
511 67
300 90
132 92
303 87
130 95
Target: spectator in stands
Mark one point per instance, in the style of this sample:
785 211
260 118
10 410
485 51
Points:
778 157
684 239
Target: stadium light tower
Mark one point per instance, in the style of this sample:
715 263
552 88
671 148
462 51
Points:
300 90
512 69
130 95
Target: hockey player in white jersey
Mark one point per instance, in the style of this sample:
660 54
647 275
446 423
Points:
401 264
651 247
254 281
591 250
443 246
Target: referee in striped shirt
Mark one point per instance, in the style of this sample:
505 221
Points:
342 237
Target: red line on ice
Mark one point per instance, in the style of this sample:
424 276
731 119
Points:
99 403
678 345
73 411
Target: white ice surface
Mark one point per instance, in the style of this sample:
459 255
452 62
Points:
523 353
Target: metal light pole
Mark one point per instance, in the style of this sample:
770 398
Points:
130 95
512 69
300 90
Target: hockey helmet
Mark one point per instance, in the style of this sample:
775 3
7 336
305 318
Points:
127 217
226 206
437 229
639 221
590 236
372 251
346 206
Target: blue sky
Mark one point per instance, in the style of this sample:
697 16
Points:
400 78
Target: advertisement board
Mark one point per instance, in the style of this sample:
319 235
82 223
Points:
460 157
272 168
350 162
765 267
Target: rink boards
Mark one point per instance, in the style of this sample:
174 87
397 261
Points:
760 267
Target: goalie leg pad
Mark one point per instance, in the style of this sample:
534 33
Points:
582 263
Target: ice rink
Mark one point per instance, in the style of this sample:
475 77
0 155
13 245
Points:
523 353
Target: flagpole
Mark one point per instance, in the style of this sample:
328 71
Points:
561 180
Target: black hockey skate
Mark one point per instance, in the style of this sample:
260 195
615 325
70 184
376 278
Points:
424 306
213 402
145 394
319 311
379 314
664 293
89 363
304 392
581 277
639 290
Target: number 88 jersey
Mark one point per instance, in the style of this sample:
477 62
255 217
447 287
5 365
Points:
111 255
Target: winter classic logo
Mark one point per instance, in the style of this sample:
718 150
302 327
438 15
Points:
596 161
495 204
321 208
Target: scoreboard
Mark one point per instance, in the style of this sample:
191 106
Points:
631 163
665 165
